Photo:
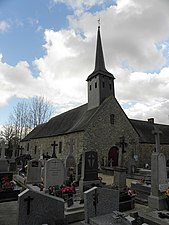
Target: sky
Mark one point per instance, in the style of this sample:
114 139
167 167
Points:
47 48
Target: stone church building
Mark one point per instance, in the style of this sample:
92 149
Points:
100 125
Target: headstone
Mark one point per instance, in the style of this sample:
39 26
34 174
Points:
89 176
70 162
120 172
34 172
100 201
54 173
3 161
159 183
39 208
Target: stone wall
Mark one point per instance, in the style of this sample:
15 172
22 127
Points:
102 134
44 145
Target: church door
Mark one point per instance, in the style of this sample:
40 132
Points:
113 156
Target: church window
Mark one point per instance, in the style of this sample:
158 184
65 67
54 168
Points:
90 87
60 147
103 84
95 84
110 86
112 118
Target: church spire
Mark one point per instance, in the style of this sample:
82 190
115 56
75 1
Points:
99 60
100 82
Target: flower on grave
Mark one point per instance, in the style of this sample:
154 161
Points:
6 184
67 190
167 193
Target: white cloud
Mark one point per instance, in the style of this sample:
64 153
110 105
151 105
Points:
4 26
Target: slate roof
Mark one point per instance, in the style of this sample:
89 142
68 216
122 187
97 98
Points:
145 128
74 120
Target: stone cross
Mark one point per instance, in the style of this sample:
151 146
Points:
157 133
71 142
2 149
54 145
122 144
28 200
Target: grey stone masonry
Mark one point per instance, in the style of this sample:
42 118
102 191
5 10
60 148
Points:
36 208
100 201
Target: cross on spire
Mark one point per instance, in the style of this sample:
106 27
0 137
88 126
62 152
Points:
54 145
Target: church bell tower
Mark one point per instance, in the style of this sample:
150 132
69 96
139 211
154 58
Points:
100 82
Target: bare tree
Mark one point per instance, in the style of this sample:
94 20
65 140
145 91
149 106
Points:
26 116
40 111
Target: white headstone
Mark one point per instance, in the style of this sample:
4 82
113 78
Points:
39 208
54 173
34 171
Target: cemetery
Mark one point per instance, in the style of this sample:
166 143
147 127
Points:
49 187
70 189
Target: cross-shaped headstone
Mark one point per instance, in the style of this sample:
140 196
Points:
157 133
28 200
71 142
122 144
54 145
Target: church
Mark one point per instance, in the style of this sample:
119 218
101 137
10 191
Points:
100 125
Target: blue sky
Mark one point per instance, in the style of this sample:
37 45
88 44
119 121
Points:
47 48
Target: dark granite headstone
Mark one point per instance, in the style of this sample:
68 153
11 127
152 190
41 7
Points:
90 166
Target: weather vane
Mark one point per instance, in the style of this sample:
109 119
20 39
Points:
98 21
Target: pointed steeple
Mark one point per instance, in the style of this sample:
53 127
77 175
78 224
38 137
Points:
99 61
100 82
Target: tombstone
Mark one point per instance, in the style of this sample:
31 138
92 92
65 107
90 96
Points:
39 208
3 161
120 172
89 176
159 183
100 201
54 173
34 172
70 162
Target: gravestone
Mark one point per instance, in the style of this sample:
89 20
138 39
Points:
159 183
3 161
120 172
54 173
37 208
34 172
70 162
89 175
100 201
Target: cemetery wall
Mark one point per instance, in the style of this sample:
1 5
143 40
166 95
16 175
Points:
144 152
102 133
44 145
